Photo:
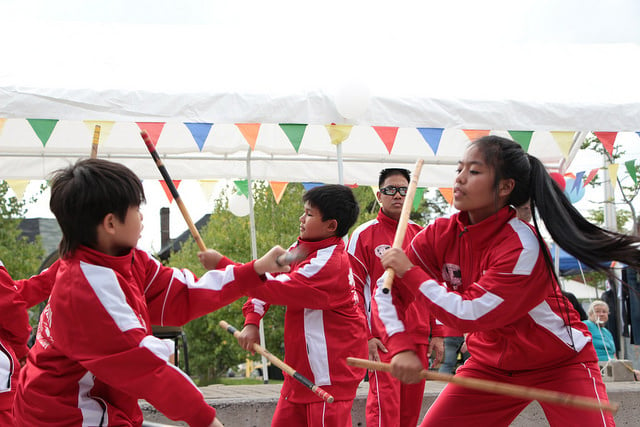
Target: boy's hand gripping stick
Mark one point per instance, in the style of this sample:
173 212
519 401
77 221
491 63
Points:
173 189
280 364
403 221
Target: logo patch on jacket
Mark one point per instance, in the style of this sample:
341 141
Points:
381 249
452 274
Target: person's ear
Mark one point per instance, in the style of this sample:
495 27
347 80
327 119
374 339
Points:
379 197
505 187
109 223
332 225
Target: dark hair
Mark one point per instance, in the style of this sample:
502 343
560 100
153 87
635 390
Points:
335 202
591 244
386 173
84 193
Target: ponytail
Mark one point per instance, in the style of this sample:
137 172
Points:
592 245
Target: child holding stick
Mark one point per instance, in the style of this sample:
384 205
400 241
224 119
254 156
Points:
522 330
323 324
95 354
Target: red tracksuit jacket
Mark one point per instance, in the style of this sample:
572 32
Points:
95 356
323 325
490 279
366 246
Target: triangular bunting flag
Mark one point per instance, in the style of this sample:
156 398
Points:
309 185
250 133
43 128
607 139
165 187
388 135
522 137
242 186
613 174
590 177
564 139
278 188
2 122
474 134
338 133
18 186
418 198
447 193
631 168
577 184
154 129
432 136
199 132
105 128
207 186
375 190
294 132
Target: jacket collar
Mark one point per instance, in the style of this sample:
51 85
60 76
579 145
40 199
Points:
485 230
122 264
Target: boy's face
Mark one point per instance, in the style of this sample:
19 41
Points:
312 227
127 233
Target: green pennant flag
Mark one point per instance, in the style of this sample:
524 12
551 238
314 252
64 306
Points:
631 168
418 198
294 132
243 187
43 128
522 137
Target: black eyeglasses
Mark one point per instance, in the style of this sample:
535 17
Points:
391 190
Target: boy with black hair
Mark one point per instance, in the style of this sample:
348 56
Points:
95 354
323 325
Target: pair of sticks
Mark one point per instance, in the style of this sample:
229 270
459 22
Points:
528 393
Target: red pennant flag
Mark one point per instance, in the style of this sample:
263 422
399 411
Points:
607 139
165 187
591 175
250 133
388 135
154 129
474 134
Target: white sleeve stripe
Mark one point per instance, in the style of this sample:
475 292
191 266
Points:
387 311
530 248
105 284
455 305
318 262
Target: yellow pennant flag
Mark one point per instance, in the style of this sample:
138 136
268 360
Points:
613 174
18 186
338 133
207 186
564 139
278 188
105 128
2 122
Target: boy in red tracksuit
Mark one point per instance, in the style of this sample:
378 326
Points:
323 325
95 354
390 402
14 333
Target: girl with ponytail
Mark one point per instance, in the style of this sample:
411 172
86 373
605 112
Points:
486 272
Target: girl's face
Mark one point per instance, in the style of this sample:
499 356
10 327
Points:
474 190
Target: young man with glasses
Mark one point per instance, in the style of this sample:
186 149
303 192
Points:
390 403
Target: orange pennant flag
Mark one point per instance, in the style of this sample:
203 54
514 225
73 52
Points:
607 139
250 133
278 188
338 133
564 139
165 187
154 129
447 193
2 122
474 134
388 135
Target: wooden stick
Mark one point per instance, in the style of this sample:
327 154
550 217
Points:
403 222
96 140
280 364
487 386
173 190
